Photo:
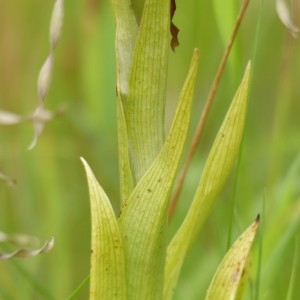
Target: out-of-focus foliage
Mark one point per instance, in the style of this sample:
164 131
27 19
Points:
50 196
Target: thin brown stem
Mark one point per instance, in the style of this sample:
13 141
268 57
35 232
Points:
206 109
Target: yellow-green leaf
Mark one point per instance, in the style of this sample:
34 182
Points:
217 169
145 105
231 276
144 214
126 32
107 275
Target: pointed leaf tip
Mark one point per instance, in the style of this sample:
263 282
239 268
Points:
230 279
257 220
107 275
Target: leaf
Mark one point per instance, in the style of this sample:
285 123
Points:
144 215
126 32
107 276
215 173
231 276
25 253
145 105
173 28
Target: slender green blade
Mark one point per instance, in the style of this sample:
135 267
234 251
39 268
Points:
145 105
107 276
232 274
143 217
217 169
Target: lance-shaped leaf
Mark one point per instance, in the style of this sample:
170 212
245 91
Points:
144 215
231 276
107 275
145 106
217 169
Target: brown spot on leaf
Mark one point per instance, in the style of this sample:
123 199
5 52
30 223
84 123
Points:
173 28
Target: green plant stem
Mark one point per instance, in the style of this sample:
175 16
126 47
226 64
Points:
260 250
206 109
79 288
294 270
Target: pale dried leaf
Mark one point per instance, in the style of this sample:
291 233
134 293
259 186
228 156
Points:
44 78
26 253
56 22
285 17
8 118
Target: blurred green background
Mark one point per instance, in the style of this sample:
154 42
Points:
51 197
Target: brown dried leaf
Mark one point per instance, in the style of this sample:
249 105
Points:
173 28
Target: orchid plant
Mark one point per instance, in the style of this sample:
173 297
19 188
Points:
130 256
